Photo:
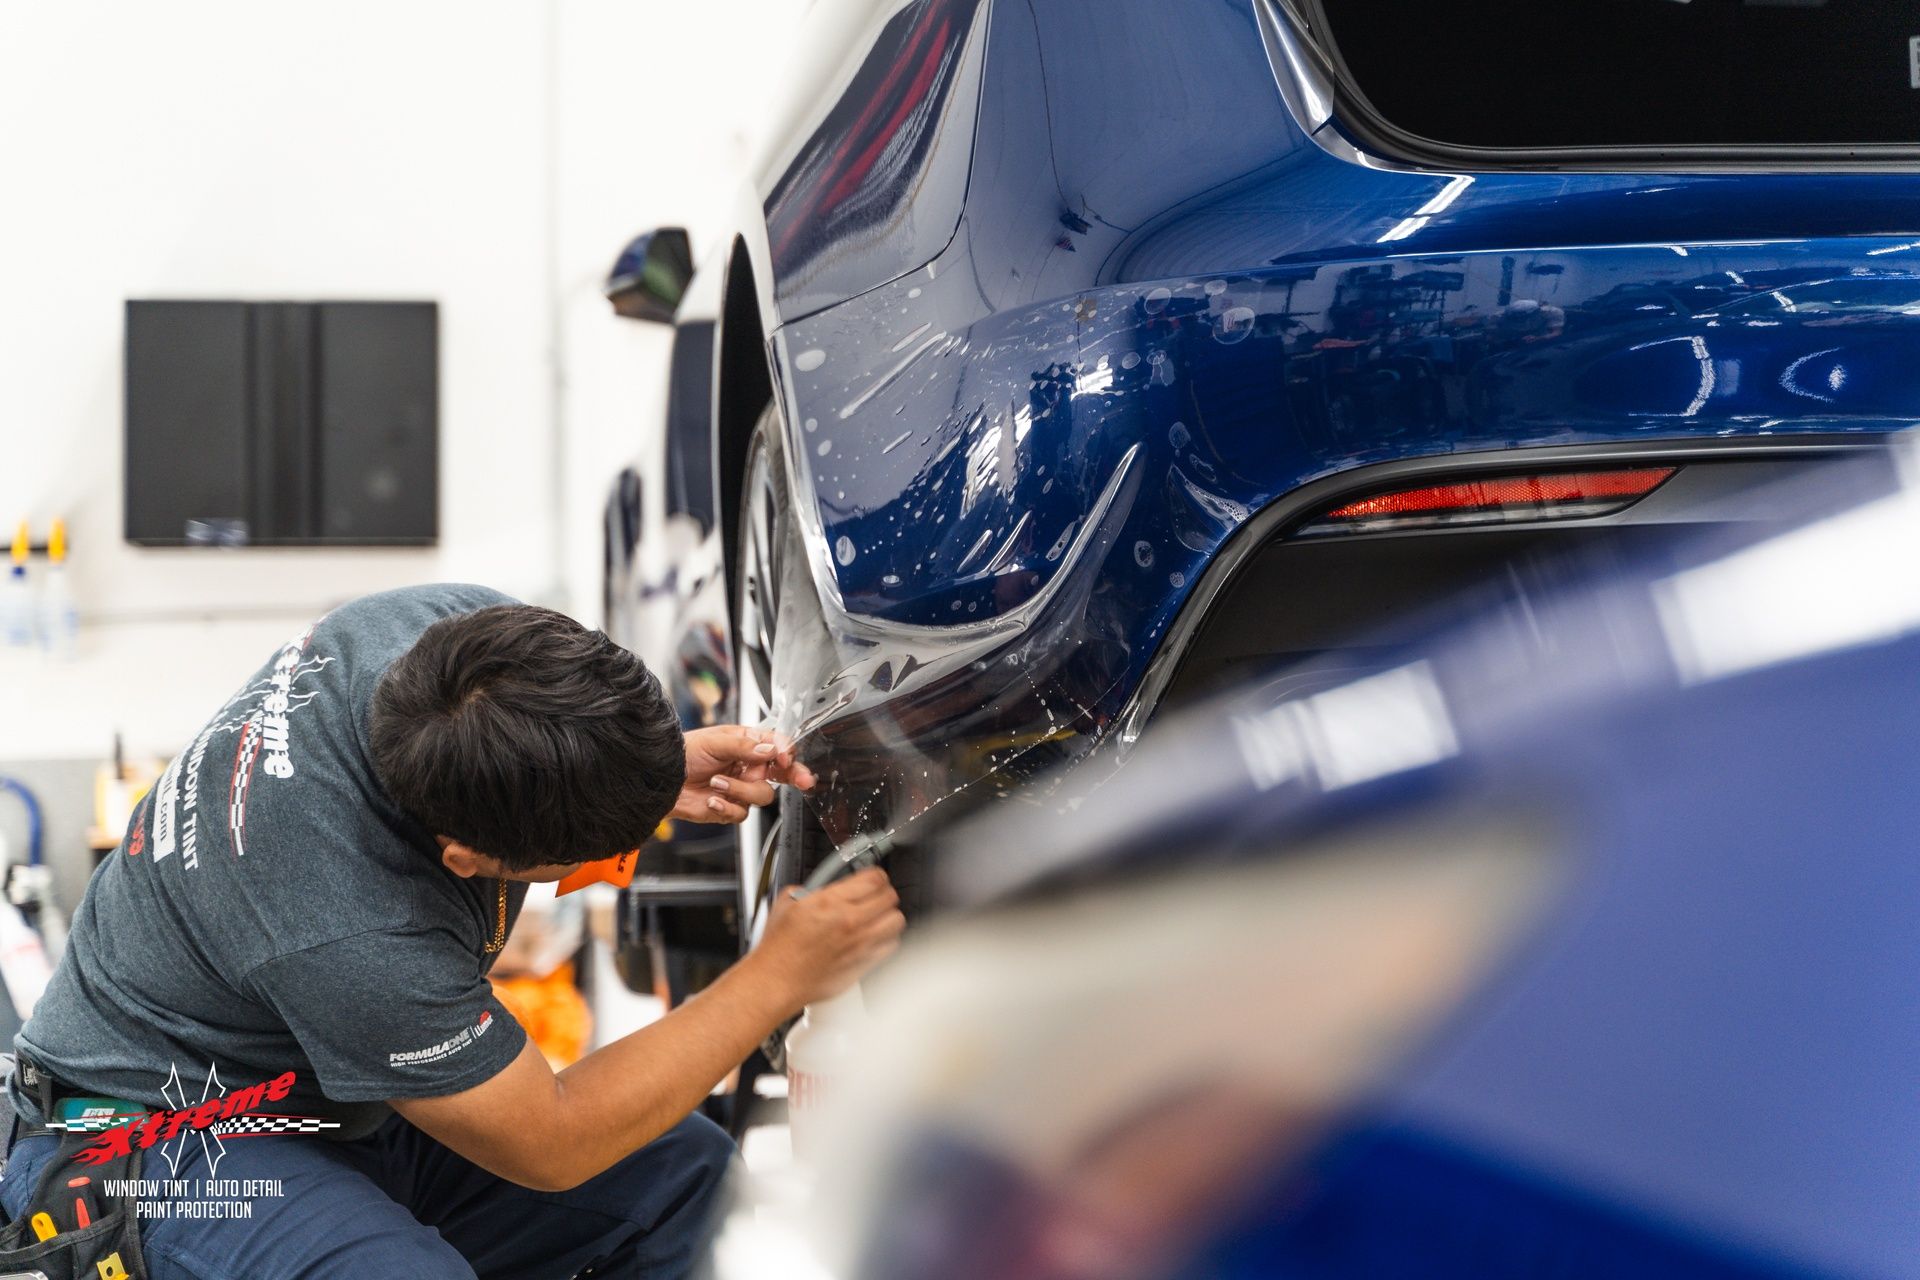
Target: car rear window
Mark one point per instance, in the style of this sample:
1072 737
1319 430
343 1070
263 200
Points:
1564 74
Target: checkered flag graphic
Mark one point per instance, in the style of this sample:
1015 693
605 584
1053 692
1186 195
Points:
241 1126
96 1124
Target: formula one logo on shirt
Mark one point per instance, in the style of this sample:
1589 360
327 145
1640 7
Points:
446 1048
220 1114
259 714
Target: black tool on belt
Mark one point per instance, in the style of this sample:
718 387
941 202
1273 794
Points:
70 1229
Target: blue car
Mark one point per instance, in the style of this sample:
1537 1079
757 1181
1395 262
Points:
1575 940
1068 361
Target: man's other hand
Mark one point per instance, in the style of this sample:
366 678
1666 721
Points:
819 944
731 767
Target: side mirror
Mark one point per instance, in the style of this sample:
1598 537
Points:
650 275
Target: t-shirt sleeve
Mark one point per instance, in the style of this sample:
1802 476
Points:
391 1014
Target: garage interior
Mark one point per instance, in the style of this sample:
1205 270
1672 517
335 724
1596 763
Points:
1114 639
483 173
217 175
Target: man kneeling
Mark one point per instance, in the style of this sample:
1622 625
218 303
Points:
317 887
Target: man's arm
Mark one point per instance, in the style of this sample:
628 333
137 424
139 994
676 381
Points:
552 1132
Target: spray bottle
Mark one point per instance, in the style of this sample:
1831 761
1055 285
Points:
820 1050
16 595
822 1047
59 620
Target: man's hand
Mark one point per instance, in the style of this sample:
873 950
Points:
820 944
730 767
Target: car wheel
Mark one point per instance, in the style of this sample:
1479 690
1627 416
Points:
775 843
756 627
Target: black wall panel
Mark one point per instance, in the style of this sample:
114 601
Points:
282 423
378 405
188 452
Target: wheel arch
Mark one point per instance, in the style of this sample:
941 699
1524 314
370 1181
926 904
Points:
743 387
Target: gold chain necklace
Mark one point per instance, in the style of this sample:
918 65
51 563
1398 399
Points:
500 921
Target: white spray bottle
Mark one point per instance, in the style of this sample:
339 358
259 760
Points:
822 1046
16 596
820 1052
59 620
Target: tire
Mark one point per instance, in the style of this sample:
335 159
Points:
755 600
775 848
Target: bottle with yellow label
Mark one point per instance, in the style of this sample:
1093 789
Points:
16 596
59 620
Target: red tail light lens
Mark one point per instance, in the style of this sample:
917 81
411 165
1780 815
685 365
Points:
1560 496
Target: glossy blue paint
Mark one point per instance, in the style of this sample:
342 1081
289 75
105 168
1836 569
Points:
1292 313
953 454
1063 295
956 462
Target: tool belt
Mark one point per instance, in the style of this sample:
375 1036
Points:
70 1229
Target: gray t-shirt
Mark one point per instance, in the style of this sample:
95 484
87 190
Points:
271 910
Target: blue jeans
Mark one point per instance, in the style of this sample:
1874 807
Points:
397 1203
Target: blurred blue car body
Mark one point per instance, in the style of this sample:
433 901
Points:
1663 1023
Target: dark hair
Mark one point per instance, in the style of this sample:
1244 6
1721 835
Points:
527 737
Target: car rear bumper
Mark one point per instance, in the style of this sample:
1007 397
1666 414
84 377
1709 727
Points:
1016 521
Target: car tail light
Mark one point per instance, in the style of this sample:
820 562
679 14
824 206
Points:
1561 495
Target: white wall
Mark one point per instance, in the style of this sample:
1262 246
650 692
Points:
492 157
658 119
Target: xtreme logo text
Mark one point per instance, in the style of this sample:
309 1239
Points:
167 1124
